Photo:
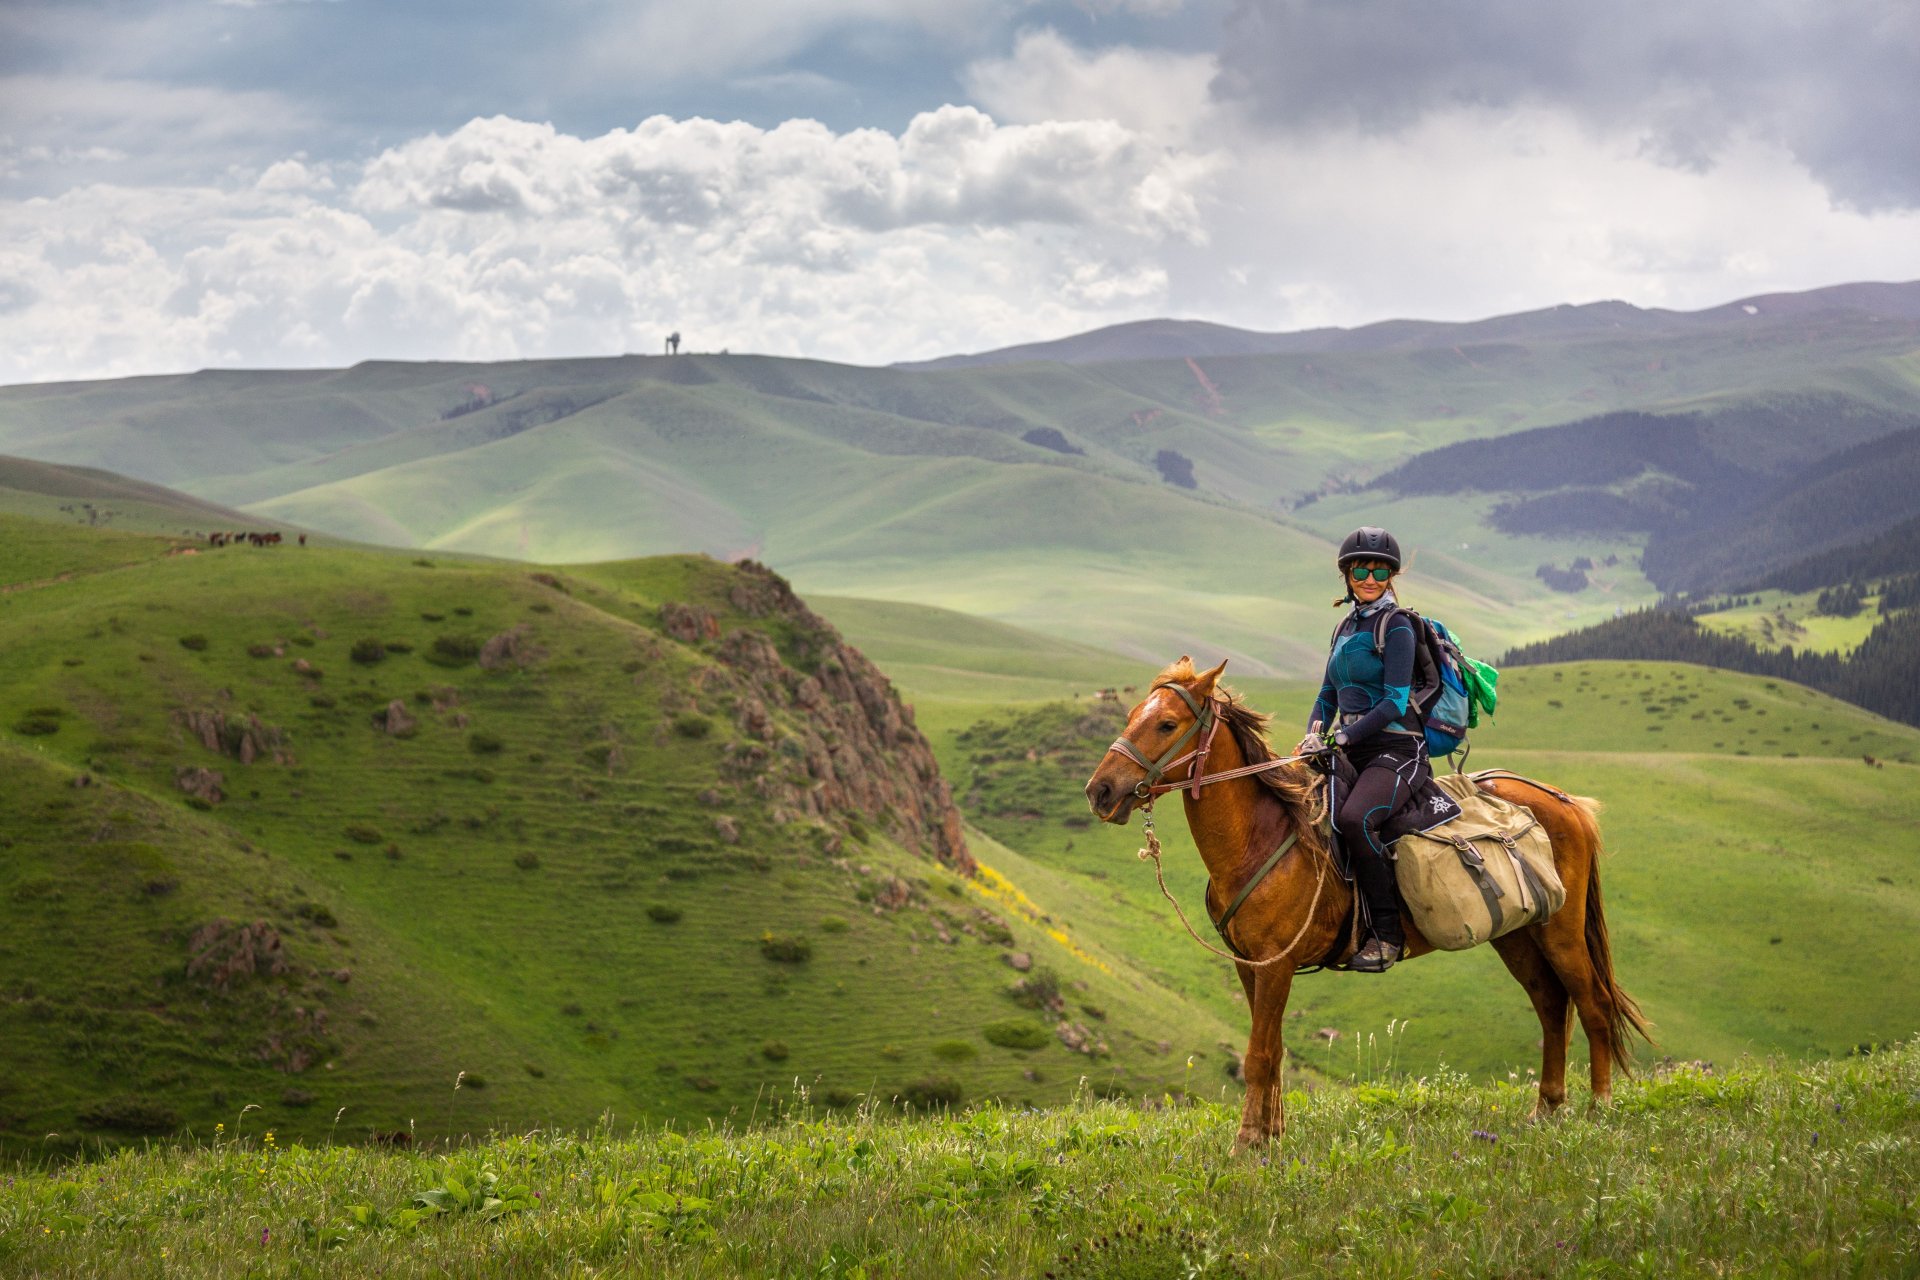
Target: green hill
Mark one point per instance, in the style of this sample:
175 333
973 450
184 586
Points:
1052 497
325 827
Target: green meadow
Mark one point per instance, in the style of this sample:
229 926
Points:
1771 1168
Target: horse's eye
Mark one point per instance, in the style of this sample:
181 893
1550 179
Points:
1166 726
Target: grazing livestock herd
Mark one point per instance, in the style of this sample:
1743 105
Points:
221 538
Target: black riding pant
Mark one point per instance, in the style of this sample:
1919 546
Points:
1388 769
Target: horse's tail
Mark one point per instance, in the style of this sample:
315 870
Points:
1624 1018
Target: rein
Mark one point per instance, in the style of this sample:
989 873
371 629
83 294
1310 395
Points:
1207 721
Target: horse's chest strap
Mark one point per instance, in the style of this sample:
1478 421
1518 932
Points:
1240 899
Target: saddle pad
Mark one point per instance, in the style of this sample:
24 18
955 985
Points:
1483 874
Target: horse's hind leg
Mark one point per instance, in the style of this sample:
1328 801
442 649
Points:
1528 964
1564 940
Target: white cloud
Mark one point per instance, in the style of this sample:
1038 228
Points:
510 238
1107 185
1046 77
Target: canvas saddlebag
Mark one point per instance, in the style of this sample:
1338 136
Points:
1483 874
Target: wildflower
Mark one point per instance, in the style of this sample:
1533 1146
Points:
265 1236
1485 1135
220 1128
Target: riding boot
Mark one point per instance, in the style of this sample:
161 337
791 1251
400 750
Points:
1373 876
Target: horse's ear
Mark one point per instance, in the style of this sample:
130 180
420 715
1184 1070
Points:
1204 682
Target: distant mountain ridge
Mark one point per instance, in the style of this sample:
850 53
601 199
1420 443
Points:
1164 339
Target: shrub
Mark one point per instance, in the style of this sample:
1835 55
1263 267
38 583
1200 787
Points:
130 1113
632 665
322 700
393 852
260 651
73 662
424 564
832 924
368 651
453 651
838 1097
196 642
461 611
1017 1034
785 950
954 1051
36 725
774 1051
689 725
345 855
363 835
935 1093
527 860
433 617
1038 990
661 913
399 646
305 642
315 913
484 744
540 606
297 1098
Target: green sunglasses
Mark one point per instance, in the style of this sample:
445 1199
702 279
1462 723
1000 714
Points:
1360 573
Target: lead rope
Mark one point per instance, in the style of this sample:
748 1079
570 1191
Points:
1151 852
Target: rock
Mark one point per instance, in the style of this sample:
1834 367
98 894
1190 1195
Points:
1076 1037
1020 960
753 719
302 667
342 976
397 721
727 829
222 953
513 647
688 623
1329 1034
893 894
204 783
245 740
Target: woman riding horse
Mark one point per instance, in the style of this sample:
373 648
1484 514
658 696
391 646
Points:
1364 710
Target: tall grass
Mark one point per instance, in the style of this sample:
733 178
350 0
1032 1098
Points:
1776 1169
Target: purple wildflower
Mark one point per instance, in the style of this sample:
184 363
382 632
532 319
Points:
265 1236
1485 1135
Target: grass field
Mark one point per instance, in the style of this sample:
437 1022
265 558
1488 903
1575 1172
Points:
1763 1169
1779 619
563 878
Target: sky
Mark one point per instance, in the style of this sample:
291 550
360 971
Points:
302 183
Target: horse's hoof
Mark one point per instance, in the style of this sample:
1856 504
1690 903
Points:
1247 1139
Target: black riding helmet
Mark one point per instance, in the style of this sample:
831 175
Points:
1370 542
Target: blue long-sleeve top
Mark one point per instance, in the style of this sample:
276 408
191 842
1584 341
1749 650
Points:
1364 681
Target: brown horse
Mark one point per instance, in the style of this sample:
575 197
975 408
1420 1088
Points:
1295 917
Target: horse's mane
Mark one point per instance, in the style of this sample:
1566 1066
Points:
1295 785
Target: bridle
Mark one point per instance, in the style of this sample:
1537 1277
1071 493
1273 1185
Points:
1205 720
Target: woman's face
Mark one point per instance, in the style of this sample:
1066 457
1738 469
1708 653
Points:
1368 587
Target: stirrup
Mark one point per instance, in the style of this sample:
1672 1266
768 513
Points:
1377 956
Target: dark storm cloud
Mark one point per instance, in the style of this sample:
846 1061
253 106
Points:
1834 81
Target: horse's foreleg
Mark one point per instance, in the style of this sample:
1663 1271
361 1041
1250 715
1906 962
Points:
1264 1114
1528 964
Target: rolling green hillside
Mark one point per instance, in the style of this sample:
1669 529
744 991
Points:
103 500
323 828
1049 496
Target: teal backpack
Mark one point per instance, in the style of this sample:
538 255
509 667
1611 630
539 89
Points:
1450 690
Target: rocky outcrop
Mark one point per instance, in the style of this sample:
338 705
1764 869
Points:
222 954
513 647
825 735
688 623
201 784
245 740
